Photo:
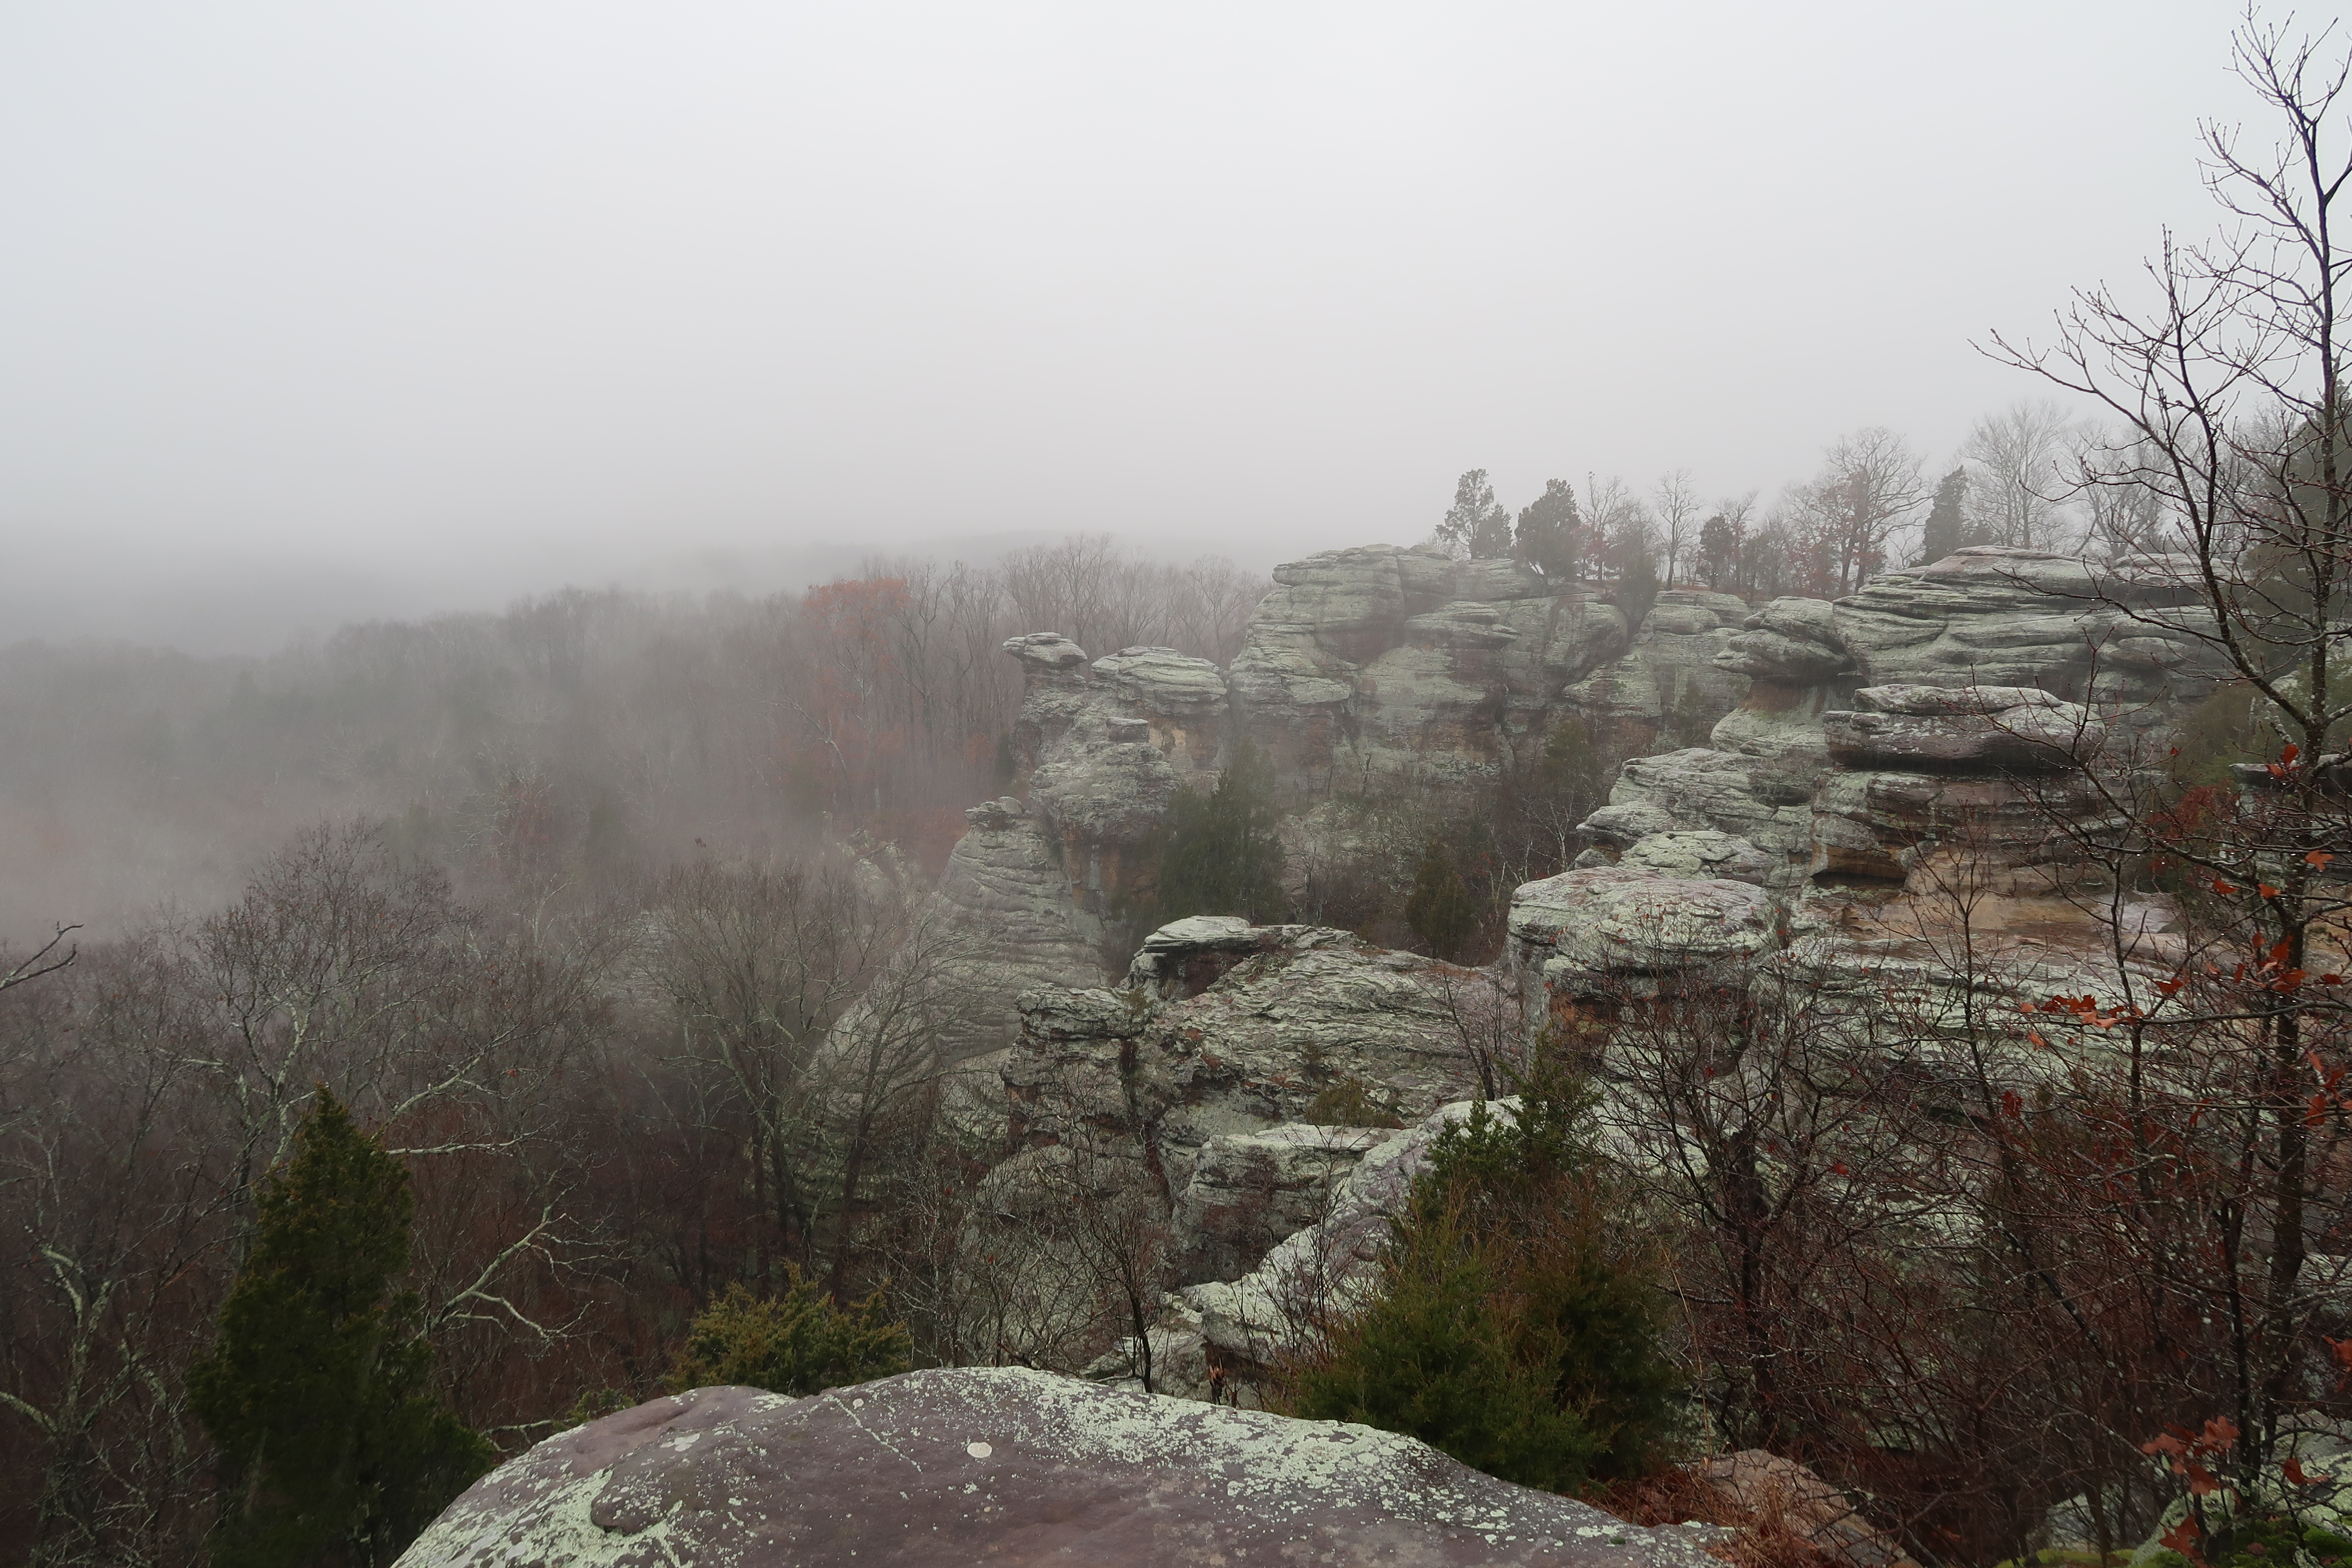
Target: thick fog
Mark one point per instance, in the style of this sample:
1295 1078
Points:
310 313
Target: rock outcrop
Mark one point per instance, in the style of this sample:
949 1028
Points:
1251 1319
1004 1465
1670 685
1300 1010
1379 660
1611 928
2118 638
1250 1191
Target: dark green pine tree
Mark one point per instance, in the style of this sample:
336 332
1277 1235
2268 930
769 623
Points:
1224 853
333 1451
1552 533
1439 909
1476 524
1942 532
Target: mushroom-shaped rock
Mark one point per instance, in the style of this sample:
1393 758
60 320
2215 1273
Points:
1008 1465
1046 651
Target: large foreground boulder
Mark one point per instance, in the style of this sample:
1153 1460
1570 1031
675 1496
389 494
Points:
1003 1465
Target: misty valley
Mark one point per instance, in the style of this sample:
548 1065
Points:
1647 1027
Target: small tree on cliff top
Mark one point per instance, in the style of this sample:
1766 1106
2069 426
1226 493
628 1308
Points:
332 1447
1223 854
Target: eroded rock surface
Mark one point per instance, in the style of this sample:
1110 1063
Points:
1380 659
1669 684
1304 1009
1003 1465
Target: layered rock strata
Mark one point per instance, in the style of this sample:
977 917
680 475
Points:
1377 660
1305 1011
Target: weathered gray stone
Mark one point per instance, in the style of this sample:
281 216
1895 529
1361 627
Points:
1583 930
1004 889
1329 1265
1671 681
1703 853
1004 1465
1305 1009
1760 799
1380 661
1251 1190
1985 727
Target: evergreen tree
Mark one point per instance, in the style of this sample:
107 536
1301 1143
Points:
1439 909
1552 533
1637 588
333 1451
1514 1328
1943 533
1475 525
1223 849
795 1344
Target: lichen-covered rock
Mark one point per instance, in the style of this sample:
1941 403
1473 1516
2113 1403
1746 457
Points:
1669 683
1378 660
1703 853
1251 1190
1586 931
1003 1465
1763 800
1984 728
1309 1009
1184 958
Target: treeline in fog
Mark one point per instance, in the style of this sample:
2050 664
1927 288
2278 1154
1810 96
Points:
571 735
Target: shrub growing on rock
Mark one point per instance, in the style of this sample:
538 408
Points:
1515 1326
795 1344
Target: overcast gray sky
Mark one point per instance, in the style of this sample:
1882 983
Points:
313 309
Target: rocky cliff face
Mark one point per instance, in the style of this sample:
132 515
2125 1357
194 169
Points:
1380 659
1280 1015
1837 763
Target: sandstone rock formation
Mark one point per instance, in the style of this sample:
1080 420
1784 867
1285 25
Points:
1004 1465
1670 684
1250 1191
1380 659
1302 1010
1600 929
1253 1318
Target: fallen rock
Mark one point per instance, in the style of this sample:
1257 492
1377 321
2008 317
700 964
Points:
1003 1465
